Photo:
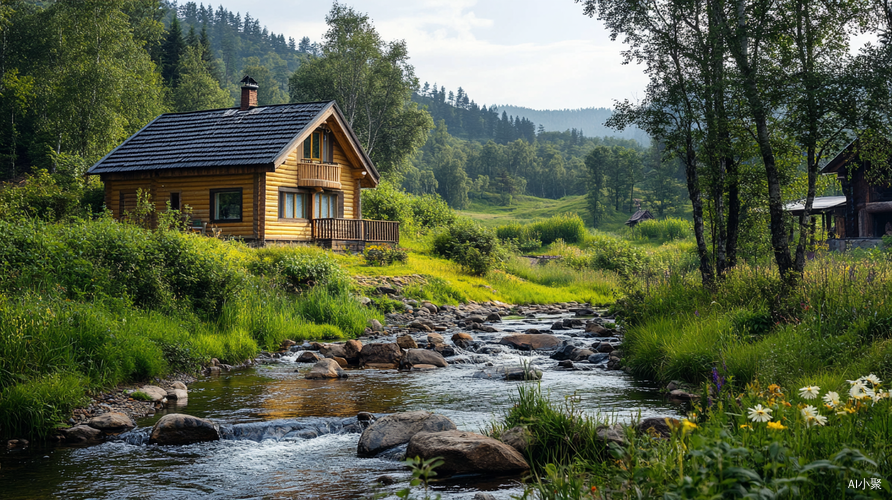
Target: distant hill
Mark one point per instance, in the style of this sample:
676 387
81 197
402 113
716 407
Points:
589 120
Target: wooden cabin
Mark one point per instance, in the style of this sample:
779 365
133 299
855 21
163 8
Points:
866 215
639 216
283 173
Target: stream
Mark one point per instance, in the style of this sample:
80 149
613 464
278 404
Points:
288 437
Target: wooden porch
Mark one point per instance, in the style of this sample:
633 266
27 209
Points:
356 230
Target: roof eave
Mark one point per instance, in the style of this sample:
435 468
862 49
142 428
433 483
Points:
92 169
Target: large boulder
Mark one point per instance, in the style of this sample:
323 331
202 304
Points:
581 354
178 429
112 422
566 351
332 350
424 357
406 342
380 354
435 339
325 369
178 394
81 434
518 438
394 430
352 349
531 341
657 426
467 452
309 357
154 392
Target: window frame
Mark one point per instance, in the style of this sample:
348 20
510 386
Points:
179 195
338 200
213 205
326 147
307 203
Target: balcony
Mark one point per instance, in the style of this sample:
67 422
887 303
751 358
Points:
369 231
325 175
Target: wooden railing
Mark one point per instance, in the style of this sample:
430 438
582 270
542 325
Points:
356 230
326 175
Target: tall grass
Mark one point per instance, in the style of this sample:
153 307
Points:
567 227
668 229
834 321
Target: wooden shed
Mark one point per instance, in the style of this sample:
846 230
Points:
639 216
283 173
867 211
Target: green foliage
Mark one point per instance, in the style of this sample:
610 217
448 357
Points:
298 269
567 227
355 65
422 473
384 255
40 196
474 248
140 396
416 213
27 408
668 229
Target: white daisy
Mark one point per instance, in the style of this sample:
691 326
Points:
832 399
759 414
809 392
873 379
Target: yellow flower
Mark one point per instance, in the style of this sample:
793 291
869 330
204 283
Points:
688 425
777 426
746 426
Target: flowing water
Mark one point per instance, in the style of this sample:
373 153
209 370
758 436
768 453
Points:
288 437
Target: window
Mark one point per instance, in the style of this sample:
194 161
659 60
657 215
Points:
317 147
326 206
226 205
293 205
174 201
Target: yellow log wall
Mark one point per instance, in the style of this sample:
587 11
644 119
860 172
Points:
286 176
195 192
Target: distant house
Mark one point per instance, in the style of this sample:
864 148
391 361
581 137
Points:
283 173
639 216
866 214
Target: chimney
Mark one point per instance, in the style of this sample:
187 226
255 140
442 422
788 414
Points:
249 93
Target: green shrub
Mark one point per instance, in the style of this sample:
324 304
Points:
387 202
668 229
567 227
384 255
471 246
35 406
430 211
297 269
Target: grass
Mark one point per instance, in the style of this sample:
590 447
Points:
718 451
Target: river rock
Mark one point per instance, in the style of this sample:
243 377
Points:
463 340
476 318
376 325
178 429
566 351
466 452
324 369
518 438
521 373
397 429
565 363
380 354
179 385
602 347
461 336
154 392
351 350
581 354
81 434
178 394
494 317
332 350
612 434
424 357
682 395
406 342
309 357
435 339
430 308
424 367
483 496
656 426
111 422
598 358
340 361
527 341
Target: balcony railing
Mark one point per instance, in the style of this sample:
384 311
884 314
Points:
327 175
381 231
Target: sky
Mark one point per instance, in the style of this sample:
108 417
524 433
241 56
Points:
541 54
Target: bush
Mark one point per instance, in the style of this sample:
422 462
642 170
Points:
383 255
471 246
297 269
416 213
567 227
668 229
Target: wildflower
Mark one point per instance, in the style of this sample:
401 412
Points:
776 426
746 426
873 379
809 412
774 389
859 391
820 420
759 414
809 392
812 417
688 425
832 399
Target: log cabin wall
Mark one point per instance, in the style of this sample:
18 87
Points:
287 176
194 191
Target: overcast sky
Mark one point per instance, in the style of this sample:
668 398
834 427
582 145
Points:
542 54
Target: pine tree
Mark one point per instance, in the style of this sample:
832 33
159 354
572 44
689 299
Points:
171 50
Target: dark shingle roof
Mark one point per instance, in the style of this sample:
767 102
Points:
214 138
639 216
